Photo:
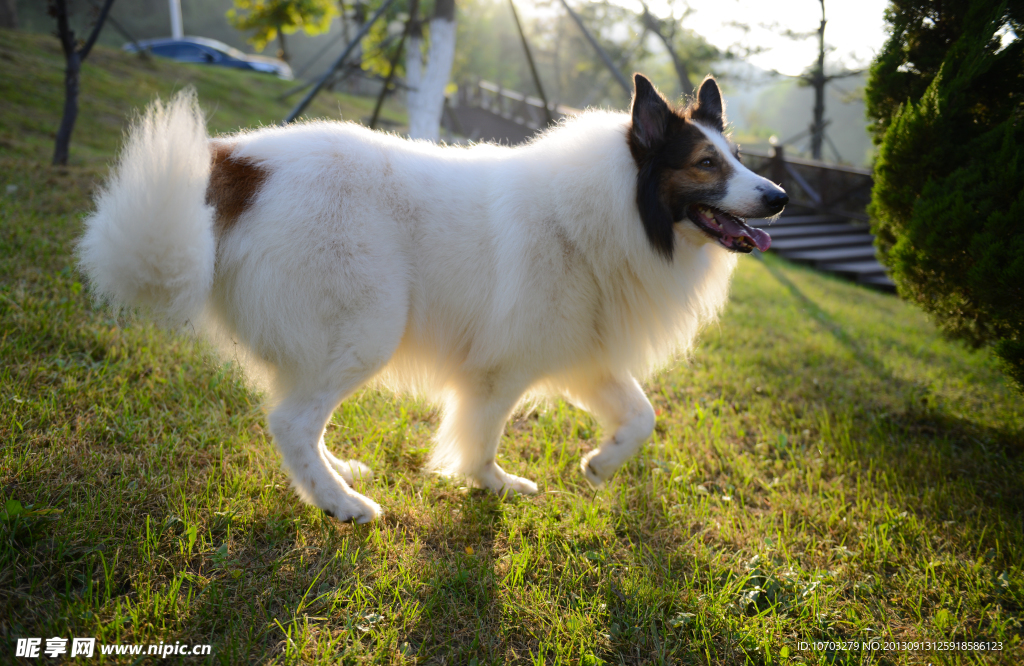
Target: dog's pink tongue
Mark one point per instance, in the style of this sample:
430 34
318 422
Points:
734 227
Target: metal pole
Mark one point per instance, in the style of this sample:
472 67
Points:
533 68
175 8
322 51
413 10
600 51
305 84
120 28
301 106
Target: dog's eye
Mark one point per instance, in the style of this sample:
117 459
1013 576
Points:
707 163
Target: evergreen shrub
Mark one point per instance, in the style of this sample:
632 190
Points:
947 98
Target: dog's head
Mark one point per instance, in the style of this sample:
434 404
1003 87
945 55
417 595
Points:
690 173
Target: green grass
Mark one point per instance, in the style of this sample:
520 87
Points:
826 467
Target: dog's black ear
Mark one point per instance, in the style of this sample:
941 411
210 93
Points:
650 115
710 108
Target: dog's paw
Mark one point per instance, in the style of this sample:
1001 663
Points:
352 471
357 509
504 484
517 485
592 472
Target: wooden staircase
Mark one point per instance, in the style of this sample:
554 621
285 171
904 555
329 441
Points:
829 243
826 223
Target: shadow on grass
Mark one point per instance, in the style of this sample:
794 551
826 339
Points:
459 601
479 607
863 356
988 459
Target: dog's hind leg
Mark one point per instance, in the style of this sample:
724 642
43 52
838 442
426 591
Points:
297 425
625 412
298 422
467 441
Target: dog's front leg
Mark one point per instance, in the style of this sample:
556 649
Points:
625 412
475 416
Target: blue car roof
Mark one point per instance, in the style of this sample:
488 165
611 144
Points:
200 41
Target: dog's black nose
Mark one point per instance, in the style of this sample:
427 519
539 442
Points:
775 201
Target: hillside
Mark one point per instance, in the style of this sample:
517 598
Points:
114 84
826 467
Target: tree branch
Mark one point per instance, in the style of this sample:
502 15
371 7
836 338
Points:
845 74
656 26
64 32
100 20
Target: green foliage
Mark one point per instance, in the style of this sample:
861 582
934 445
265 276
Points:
922 33
384 37
269 18
948 202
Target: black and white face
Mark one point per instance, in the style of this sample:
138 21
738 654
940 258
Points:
690 173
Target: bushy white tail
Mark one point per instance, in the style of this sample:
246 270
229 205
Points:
150 244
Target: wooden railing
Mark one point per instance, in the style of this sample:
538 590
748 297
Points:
825 223
828 189
509 104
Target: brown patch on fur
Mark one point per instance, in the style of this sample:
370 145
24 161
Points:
690 182
569 250
234 183
488 382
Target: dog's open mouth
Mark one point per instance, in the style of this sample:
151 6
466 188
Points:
731 232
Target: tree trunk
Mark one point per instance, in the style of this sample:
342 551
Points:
426 94
9 14
818 82
72 69
356 84
393 65
282 52
67 122
74 57
682 71
413 66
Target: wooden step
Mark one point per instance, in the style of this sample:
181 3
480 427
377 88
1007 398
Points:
867 267
879 281
794 220
793 244
832 255
812 230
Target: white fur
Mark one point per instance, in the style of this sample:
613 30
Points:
472 276
153 247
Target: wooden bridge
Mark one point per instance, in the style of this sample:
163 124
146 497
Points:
484 111
825 224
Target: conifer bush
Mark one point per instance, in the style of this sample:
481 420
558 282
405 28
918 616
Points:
946 95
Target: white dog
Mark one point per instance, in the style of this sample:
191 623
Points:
569 266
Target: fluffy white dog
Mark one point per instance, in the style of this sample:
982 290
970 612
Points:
569 266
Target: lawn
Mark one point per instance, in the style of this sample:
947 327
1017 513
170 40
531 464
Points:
827 470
